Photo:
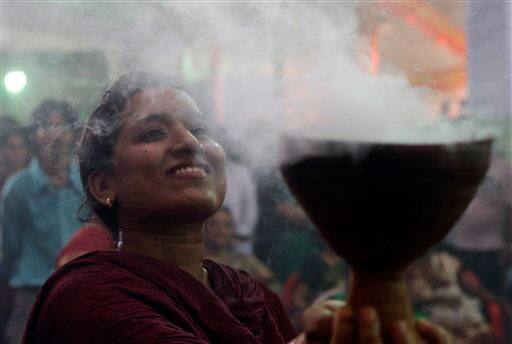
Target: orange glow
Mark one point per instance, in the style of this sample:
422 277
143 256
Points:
448 79
374 54
431 21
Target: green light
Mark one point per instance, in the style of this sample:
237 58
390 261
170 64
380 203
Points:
15 81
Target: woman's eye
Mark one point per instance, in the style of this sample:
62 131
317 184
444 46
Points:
152 134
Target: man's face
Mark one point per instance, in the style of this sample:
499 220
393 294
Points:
54 140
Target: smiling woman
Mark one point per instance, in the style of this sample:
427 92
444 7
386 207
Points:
166 162
154 174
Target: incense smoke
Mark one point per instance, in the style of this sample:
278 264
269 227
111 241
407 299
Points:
282 66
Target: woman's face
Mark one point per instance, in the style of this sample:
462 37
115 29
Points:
168 168
16 152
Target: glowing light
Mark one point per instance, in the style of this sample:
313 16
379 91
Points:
15 81
374 53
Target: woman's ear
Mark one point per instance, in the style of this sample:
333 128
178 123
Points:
101 187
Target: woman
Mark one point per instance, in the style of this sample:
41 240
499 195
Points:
154 175
14 149
220 247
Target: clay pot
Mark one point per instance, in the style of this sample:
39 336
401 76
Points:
380 206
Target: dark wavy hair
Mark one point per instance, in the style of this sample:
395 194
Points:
100 136
51 106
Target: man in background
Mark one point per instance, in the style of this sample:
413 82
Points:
39 208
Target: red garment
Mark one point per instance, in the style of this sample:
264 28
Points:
91 237
115 297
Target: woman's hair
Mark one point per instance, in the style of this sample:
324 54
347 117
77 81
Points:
100 135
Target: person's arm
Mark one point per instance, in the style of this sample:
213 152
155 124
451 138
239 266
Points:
13 212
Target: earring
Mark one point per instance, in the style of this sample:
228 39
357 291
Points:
109 202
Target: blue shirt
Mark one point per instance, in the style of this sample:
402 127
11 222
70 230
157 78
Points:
37 221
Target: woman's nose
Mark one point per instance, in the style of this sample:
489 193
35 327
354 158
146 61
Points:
186 143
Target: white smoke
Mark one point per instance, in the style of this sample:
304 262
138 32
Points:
270 53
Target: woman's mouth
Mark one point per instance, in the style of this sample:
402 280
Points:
190 171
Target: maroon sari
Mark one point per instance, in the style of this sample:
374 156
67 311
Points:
114 297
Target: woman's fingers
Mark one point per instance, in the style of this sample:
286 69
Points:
433 334
335 323
343 327
430 334
319 321
368 326
401 334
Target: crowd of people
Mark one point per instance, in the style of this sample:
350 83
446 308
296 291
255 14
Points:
149 249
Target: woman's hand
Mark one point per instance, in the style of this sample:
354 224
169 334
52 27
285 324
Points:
333 322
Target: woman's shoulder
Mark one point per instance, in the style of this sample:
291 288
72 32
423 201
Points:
90 277
101 292
107 295
91 262
110 266
84 277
